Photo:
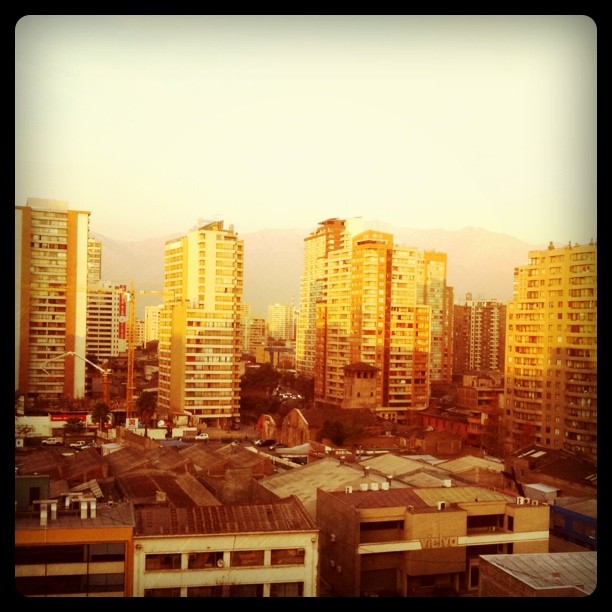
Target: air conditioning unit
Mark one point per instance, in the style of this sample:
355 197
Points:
348 489
220 563
527 500
520 500
534 502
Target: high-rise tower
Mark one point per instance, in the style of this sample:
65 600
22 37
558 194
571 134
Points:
376 306
551 351
331 234
51 276
200 338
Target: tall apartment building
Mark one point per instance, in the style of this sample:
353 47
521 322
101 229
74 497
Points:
331 234
479 335
551 351
94 261
151 322
106 320
281 322
51 275
200 338
377 307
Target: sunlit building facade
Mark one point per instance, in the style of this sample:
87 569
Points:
479 335
331 234
51 276
551 351
377 308
200 337
281 322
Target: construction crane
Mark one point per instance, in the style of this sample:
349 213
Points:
130 297
105 373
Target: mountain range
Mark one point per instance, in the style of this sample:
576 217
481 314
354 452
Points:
479 262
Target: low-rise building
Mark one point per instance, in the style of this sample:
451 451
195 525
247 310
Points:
258 550
420 541
571 574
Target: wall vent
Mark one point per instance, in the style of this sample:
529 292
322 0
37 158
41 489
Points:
441 505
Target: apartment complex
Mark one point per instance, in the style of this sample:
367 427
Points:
51 276
200 337
479 336
551 351
387 306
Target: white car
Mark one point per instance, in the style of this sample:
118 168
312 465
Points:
78 444
202 436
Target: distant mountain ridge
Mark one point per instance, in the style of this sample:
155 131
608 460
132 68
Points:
479 262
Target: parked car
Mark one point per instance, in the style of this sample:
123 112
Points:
202 436
78 444
52 441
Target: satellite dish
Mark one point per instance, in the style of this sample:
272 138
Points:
220 563
161 423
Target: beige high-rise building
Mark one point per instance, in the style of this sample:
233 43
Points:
200 338
551 351
376 306
51 275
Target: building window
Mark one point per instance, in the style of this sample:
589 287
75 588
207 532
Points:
204 560
205 591
163 562
288 589
161 592
246 558
288 556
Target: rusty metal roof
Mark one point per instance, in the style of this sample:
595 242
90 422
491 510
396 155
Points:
284 515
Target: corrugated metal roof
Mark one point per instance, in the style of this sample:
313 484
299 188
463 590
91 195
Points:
469 462
551 570
328 474
458 494
285 515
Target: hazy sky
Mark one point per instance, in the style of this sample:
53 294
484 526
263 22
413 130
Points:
154 122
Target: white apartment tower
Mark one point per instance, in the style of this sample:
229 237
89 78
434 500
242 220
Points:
281 322
151 322
106 320
551 351
200 339
51 275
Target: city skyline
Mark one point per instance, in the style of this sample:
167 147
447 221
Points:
154 123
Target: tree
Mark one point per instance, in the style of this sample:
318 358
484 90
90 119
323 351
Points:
146 405
74 425
100 413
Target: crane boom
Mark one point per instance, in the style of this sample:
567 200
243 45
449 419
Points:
105 373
